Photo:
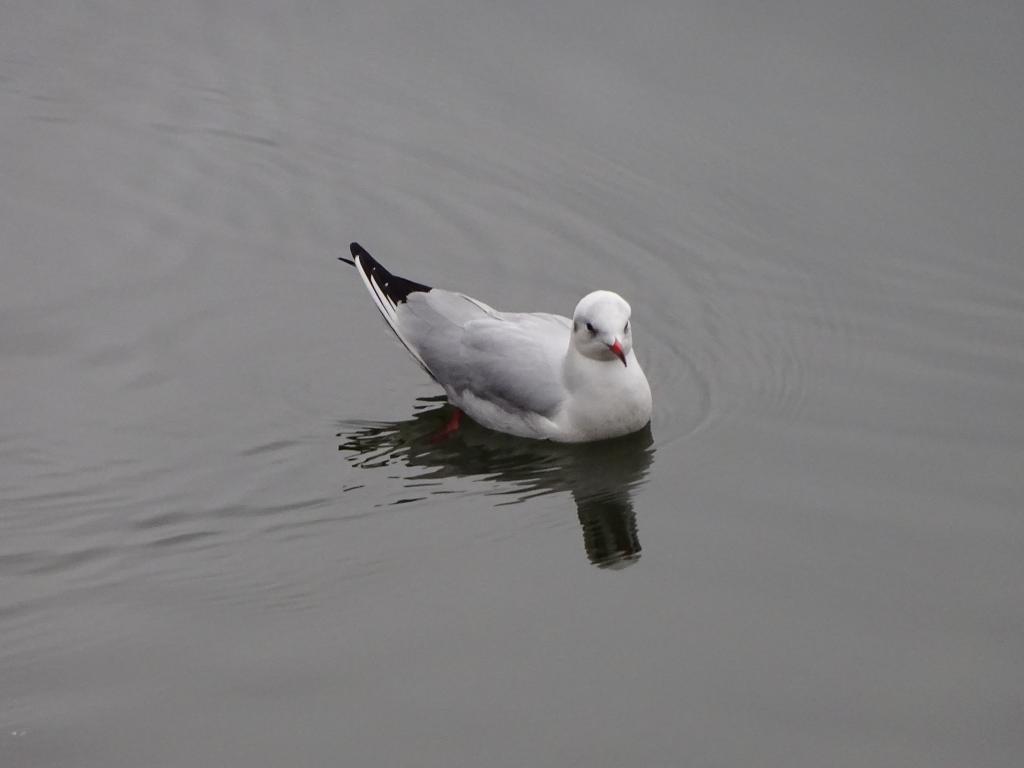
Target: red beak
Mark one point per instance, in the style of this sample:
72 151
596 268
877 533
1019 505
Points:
617 349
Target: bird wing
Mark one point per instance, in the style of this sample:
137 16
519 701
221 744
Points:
388 292
513 360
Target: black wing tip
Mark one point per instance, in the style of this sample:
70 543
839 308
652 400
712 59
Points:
357 250
396 288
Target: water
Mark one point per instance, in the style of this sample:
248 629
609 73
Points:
227 535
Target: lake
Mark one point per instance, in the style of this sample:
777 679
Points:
227 535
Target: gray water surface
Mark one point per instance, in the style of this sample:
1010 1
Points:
227 535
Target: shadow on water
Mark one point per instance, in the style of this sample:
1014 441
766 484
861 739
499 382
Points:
600 476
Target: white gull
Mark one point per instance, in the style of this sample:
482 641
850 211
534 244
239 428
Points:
530 374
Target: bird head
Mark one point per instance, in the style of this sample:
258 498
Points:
600 327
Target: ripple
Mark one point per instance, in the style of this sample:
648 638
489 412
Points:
176 540
273 446
41 562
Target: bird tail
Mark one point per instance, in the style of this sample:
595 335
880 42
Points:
387 291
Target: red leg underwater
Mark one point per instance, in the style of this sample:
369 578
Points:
450 428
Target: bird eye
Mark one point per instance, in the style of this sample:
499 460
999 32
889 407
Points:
626 328
591 328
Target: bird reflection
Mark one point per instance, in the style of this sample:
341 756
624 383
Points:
599 476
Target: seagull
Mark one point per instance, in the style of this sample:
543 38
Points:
530 374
